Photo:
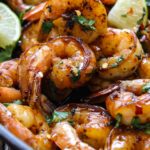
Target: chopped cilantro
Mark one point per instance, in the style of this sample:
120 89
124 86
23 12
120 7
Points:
120 59
18 102
75 76
136 123
57 117
5 54
146 87
86 24
47 26
118 120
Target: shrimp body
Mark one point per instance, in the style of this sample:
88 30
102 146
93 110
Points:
132 100
123 139
39 140
8 73
22 5
91 123
121 57
90 9
65 136
66 60
144 68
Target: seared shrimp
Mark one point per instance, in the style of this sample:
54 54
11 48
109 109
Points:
122 54
132 100
127 139
92 11
92 123
38 140
108 2
66 60
144 68
8 79
65 137
22 5
8 73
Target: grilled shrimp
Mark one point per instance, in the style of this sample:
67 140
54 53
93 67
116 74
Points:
92 123
132 100
144 68
127 139
8 80
22 5
64 13
39 138
65 137
122 54
108 2
66 60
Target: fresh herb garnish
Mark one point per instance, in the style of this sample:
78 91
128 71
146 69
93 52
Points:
139 57
86 24
136 123
146 88
18 102
75 76
118 61
118 120
6 54
57 116
47 26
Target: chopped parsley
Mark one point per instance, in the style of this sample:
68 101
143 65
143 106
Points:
118 61
75 76
6 54
47 26
146 88
118 120
124 15
57 116
136 123
86 24
17 102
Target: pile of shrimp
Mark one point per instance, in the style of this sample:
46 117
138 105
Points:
68 48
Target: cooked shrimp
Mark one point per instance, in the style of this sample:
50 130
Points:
35 13
68 61
22 5
8 73
9 94
19 126
108 2
8 79
65 136
121 57
92 123
144 68
132 100
39 140
92 10
127 139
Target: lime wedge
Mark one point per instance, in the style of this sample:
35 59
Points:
10 27
128 14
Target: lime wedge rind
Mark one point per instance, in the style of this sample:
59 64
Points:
10 27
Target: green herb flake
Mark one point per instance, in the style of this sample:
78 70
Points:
139 57
120 59
47 26
86 24
57 117
118 120
6 54
75 76
114 65
146 88
17 102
